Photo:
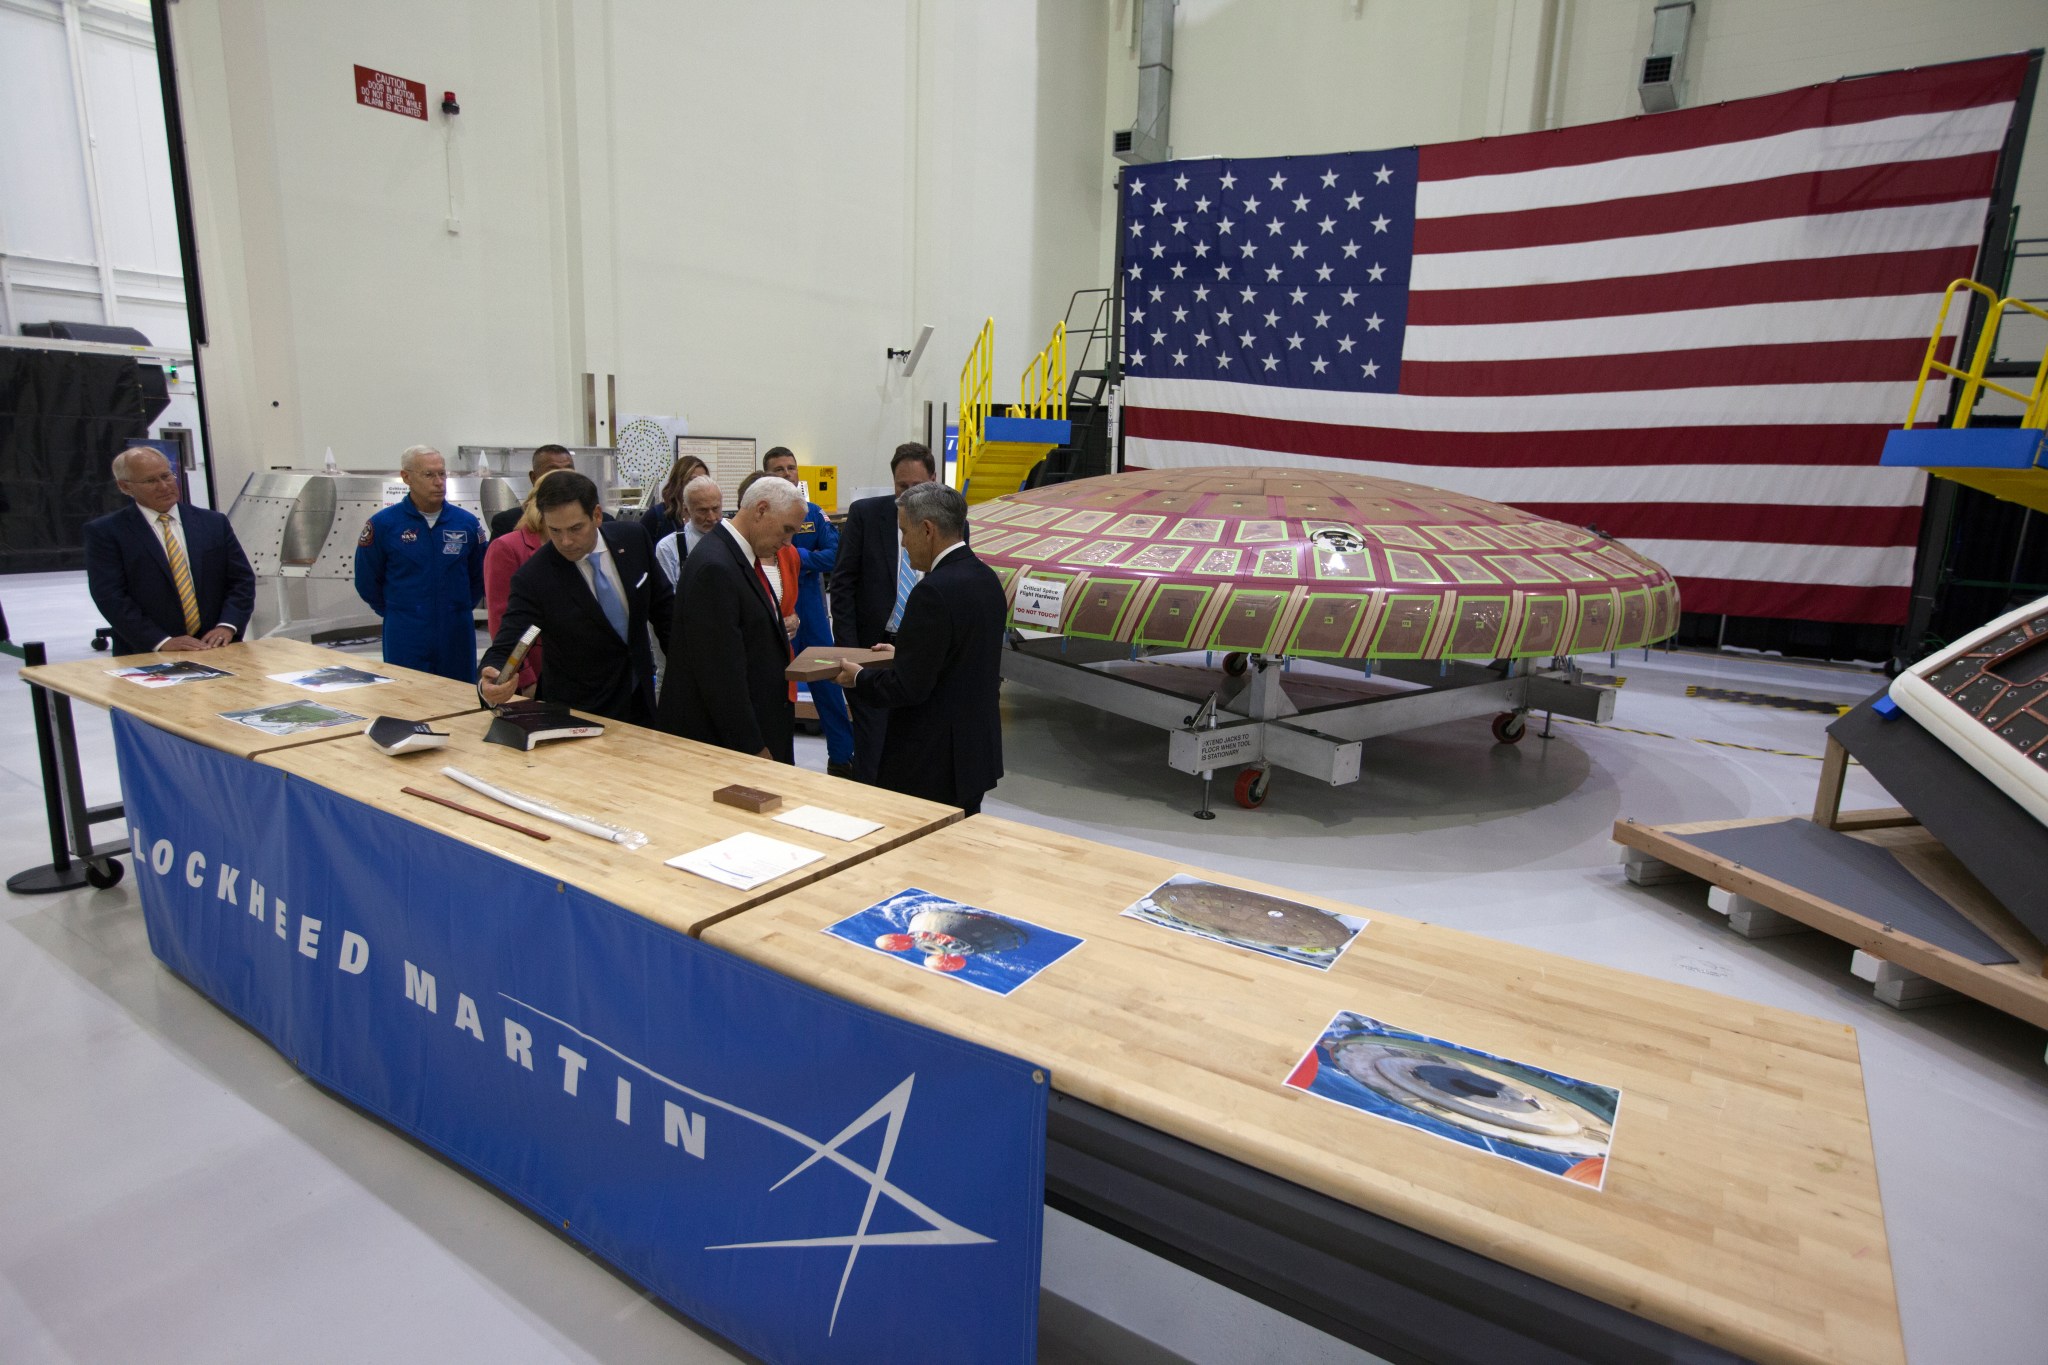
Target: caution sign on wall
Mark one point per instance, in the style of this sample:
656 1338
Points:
382 90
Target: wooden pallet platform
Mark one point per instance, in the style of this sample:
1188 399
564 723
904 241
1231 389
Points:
1896 963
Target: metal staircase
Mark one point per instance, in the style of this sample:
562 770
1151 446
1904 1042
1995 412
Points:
1059 429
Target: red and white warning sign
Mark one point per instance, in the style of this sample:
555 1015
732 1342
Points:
382 90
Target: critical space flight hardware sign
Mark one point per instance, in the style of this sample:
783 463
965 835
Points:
802 1175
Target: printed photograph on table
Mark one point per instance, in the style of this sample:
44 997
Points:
291 717
1248 919
333 678
1527 1114
168 675
979 947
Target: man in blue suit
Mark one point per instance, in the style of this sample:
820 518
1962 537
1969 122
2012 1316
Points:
817 550
166 576
420 566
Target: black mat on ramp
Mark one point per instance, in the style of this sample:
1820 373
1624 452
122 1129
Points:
1854 875
1991 834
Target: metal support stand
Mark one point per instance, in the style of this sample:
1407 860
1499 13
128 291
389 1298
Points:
70 819
1246 718
1205 719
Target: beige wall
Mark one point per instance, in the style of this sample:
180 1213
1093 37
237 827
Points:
734 209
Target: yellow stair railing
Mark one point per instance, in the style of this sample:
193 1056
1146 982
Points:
1042 389
1974 382
975 380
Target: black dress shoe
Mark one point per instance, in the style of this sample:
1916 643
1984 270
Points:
844 770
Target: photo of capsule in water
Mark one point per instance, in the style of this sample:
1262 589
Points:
944 937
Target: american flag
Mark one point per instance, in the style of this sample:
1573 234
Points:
1691 330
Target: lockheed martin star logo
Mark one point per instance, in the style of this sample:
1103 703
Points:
939 1230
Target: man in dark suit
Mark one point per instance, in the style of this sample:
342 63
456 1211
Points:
545 458
871 583
166 576
945 736
594 591
724 684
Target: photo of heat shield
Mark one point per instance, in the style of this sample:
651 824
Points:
1527 1114
1253 920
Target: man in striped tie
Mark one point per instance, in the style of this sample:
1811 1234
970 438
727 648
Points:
167 576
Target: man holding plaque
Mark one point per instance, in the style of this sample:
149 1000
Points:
945 735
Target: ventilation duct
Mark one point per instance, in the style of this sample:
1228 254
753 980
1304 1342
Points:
1661 81
1145 140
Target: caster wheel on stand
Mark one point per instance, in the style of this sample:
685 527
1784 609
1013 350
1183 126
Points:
1250 789
104 879
1235 664
1509 727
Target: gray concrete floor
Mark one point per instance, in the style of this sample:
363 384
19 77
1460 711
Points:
172 1190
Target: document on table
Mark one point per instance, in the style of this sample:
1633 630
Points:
745 861
830 823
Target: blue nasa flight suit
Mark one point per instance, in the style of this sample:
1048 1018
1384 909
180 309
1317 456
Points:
425 581
817 550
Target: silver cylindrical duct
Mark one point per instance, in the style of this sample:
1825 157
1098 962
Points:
1147 140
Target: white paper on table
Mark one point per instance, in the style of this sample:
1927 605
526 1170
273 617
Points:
745 861
830 823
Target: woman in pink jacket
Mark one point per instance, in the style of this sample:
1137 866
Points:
501 560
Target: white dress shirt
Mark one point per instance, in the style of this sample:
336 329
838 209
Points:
599 560
176 514
674 548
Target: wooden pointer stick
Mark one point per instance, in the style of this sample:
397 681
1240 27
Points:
472 810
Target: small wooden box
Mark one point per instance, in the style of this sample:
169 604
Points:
748 799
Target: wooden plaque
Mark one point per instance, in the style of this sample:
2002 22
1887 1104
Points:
748 798
820 663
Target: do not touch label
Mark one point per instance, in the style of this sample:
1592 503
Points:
1039 602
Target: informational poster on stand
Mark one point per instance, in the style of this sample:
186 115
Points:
804 1176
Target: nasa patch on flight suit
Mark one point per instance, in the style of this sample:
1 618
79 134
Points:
454 542
408 535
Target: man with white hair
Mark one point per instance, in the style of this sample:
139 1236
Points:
420 566
166 576
703 502
727 647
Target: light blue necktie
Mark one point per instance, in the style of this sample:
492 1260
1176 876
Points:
906 579
607 596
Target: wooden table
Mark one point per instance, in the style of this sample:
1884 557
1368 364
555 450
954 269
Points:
631 777
192 710
1741 1204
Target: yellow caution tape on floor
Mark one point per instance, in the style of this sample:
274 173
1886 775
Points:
1771 700
1694 739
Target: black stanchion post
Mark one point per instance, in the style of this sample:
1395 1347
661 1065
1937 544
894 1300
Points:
61 873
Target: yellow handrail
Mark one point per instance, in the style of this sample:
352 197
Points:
1042 389
975 377
2035 404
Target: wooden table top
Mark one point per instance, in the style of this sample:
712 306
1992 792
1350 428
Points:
192 710
1741 1203
631 777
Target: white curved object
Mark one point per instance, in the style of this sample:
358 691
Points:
1986 698
629 838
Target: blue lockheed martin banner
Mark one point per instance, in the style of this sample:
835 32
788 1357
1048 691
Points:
815 1181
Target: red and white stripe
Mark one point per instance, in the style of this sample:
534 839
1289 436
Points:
1691 330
